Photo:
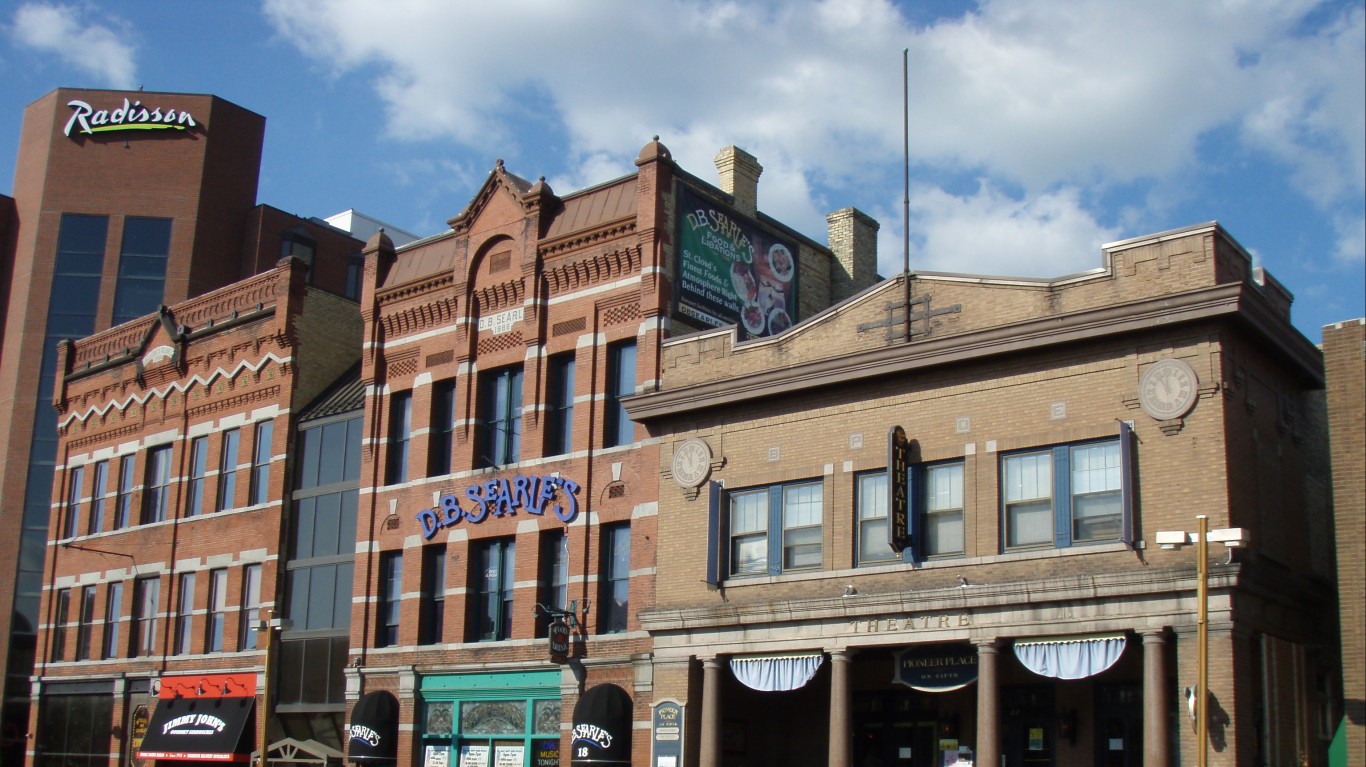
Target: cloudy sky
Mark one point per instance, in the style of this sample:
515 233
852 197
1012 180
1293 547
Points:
1038 129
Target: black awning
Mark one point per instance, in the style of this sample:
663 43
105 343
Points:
602 727
200 729
372 733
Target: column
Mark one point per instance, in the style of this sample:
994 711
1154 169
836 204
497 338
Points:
1155 695
710 748
988 751
840 752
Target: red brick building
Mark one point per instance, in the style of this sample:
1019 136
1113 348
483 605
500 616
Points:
121 202
1009 588
504 488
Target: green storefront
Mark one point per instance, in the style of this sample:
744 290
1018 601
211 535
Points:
491 720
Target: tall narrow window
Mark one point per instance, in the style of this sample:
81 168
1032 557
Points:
874 546
554 576
355 275
442 444
1029 499
146 594
156 494
493 586
71 519
1096 481
98 488
85 623
501 413
227 470
59 619
390 597
433 621
621 382
142 267
749 532
260 464
123 504
249 617
218 610
199 458
616 578
184 621
400 427
802 526
944 510
113 605
560 405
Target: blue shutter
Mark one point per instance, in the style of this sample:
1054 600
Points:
1126 483
715 534
775 530
1062 496
915 475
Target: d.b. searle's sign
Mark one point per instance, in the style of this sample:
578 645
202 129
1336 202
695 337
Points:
503 497
131 116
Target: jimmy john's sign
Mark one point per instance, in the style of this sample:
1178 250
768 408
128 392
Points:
88 119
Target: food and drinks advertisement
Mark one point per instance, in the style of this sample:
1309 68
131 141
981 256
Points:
731 271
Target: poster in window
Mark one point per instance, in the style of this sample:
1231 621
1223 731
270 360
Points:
436 756
733 272
509 756
474 756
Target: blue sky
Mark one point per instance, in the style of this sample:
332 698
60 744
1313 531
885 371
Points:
1039 130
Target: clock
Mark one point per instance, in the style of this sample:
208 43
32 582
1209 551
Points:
1168 389
692 463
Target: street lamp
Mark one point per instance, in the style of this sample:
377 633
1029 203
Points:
1232 538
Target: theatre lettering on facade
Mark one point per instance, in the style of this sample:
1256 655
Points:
1056 431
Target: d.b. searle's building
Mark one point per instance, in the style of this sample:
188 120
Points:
602 477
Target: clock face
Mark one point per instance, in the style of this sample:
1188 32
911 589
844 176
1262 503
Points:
692 463
1168 390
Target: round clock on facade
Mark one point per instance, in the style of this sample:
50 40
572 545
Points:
692 463
1168 389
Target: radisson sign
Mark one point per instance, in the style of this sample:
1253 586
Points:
86 119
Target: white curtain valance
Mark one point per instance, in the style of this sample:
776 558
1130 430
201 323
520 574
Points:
776 673
1071 657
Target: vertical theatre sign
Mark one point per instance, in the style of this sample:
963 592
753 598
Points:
732 272
898 489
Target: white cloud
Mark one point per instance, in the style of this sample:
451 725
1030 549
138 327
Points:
100 50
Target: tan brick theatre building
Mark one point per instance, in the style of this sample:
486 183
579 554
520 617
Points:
1010 602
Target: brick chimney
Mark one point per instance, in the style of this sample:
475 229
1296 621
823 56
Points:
853 239
740 178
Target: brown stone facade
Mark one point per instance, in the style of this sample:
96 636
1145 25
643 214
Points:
1056 429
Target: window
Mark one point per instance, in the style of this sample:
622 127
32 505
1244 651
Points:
554 578
1067 494
874 545
146 592
113 599
500 412
560 405
621 382
97 491
218 610
442 444
59 625
71 520
85 623
260 464
432 623
400 424
194 501
157 492
943 527
776 529
142 267
355 275
123 503
616 578
249 614
493 583
390 597
184 621
227 470
297 242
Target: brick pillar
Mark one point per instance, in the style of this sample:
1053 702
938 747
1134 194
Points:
988 705
1155 696
840 752
709 751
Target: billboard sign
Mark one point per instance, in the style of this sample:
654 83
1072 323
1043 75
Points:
731 271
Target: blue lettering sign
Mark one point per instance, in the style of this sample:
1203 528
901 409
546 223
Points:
503 498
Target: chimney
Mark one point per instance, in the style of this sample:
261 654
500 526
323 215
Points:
740 178
853 240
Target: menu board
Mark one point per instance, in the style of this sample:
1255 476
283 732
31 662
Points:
474 756
731 271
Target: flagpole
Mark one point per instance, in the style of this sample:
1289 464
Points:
906 180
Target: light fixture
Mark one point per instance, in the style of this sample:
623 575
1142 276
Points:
963 582
850 590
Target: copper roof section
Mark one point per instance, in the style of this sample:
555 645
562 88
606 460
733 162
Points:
594 207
